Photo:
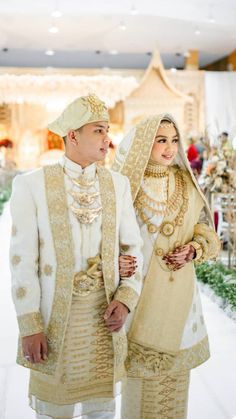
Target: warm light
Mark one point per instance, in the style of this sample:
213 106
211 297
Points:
113 52
56 13
133 11
122 26
186 54
173 70
53 29
49 52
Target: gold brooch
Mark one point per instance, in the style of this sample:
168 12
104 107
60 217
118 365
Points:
94 104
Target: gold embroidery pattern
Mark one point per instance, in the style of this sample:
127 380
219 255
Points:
139 153
166 397
30 324
15 260
127 296
63 243
91 280
96 106
47 270
13 230
20 293
207 238
141 367
41 243
85 369
108 200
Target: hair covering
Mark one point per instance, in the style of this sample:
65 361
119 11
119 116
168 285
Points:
81 111
134 151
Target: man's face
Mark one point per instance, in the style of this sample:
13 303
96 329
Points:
92 141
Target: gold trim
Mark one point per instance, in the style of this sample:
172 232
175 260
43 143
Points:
127 296
63 244
138 155
108 199
15 260
20 292
146 363
198 249
30 324
207 238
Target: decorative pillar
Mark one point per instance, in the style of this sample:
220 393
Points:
192 61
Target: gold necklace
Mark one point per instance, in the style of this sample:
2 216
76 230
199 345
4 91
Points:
167 228
156 170
84 214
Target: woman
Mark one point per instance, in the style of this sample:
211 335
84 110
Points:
167 336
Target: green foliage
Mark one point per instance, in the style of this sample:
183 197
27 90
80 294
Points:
221 279
5 194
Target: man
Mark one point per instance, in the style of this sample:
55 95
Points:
71 221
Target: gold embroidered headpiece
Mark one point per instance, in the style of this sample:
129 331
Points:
81 111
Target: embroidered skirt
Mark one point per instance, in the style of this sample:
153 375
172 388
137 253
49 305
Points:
83 381
165 397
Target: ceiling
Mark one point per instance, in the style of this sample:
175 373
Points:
114 34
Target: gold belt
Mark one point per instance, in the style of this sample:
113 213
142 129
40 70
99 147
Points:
90 280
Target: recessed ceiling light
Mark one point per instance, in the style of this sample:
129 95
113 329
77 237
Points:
49 52
122 26
113 52
186 54
53 29
211 19
173 70
133 11
56 13
197 32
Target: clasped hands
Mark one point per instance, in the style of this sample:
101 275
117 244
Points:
179 257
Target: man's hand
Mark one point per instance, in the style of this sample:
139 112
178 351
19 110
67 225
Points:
35 348
115 315
127 265
179 257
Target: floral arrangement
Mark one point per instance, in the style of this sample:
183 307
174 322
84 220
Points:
220 172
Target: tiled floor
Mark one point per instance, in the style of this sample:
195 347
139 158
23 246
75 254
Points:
213 385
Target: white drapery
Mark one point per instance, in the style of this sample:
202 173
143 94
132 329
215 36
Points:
220 103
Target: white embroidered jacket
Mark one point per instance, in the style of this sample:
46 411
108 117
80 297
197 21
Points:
49 245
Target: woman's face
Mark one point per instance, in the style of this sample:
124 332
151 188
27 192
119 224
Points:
165 145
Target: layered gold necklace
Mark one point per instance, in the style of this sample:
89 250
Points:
84 198
178 200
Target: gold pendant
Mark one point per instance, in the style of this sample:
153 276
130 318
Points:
167 228
83 182
85 215
84 198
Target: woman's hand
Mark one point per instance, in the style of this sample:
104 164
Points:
127 265
179 257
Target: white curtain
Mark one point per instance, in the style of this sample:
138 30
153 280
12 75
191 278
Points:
220 102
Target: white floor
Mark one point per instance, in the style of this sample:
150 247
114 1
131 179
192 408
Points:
213 385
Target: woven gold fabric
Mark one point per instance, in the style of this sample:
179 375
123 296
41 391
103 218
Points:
162 398
85 369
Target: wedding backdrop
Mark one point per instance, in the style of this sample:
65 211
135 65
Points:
140 58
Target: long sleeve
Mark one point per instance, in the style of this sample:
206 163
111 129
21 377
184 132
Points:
24 255
131 244
205 241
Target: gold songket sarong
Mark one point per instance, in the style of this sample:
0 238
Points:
85 369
